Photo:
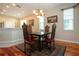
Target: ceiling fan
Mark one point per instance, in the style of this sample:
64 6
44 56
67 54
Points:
18 6
76 5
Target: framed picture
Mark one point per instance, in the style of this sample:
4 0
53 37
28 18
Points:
52 19
31 22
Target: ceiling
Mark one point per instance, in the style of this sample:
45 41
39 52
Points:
25 9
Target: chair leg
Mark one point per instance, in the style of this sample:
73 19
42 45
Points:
53 44
27 50
30 50
24 48
50 46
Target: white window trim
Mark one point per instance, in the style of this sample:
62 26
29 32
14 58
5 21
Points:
72 20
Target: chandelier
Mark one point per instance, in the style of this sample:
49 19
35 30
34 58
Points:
38 12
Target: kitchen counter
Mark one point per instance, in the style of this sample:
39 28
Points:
10 36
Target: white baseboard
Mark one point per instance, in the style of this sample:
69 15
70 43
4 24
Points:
4 44
67 41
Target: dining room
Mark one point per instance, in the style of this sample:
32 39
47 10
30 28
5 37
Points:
39 29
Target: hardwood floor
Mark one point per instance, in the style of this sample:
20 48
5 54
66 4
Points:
11 51
71 50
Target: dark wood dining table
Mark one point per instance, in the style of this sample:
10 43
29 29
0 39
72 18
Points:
40 36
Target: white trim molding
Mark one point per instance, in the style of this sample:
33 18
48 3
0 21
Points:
67 41
4 44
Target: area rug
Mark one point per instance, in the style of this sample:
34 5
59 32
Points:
58 51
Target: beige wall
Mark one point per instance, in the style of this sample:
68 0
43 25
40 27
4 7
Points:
17 24
36 25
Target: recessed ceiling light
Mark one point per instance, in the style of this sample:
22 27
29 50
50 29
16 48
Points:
41 11
7 6
34 11
22 11
13 4
2 12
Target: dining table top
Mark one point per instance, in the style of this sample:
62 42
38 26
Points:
40 33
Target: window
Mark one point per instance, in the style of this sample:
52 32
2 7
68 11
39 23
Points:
41 23
68 19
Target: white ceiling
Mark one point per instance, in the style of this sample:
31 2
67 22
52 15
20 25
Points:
26 9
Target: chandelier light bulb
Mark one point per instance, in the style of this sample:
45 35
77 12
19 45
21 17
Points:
41 11
13 4
38 16
7 6
38 12
34 11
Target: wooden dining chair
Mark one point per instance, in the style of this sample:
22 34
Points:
50 39
30 31
53 35
47 28
27 39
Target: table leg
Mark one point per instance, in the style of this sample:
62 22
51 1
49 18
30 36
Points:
39 43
